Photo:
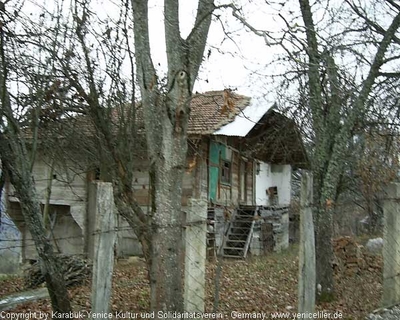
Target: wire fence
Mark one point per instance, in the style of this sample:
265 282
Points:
216 236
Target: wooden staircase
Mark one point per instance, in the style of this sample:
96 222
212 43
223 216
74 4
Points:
237 239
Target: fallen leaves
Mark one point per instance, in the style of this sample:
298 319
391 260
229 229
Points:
259 284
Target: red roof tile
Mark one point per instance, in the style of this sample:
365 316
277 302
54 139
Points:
210 110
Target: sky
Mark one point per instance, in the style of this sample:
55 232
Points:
235 59
238 58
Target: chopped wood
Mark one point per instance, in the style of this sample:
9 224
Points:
351 258
75 269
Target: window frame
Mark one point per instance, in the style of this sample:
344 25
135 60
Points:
225 169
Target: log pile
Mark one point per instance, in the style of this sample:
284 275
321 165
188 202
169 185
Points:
348 256
351 258
75 270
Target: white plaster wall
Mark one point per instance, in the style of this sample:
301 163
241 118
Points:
263 182
281 179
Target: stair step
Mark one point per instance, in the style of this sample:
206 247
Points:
250 216
237 224
236 240
235 236
233 248
241 228
238 231
247 207
231 256
236 254
243 221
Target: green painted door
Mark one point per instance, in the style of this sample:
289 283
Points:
217 151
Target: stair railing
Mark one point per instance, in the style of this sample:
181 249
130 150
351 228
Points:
226 232
250 235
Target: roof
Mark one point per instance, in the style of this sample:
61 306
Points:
245 121
210 111
276 139
263 132
214 109
267 134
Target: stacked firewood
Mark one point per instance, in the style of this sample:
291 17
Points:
373 262
349 256
75 270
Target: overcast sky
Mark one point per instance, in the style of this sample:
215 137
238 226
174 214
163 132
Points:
236 59
239 59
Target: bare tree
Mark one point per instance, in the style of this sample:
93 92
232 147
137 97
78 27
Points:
166 115
89 64
332 133
16 156
341 65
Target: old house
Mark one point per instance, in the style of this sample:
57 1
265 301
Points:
240 158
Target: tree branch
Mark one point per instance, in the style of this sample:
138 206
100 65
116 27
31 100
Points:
378 61
379 29
145 68
173 41
313 68
196 41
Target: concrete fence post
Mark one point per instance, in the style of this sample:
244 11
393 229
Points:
103 242
307 273
195 255
391 246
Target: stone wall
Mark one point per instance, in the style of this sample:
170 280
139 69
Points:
271 230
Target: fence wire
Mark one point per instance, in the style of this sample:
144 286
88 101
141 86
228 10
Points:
215 238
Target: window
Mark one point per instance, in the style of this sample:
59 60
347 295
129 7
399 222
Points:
273 196
276 168
226 172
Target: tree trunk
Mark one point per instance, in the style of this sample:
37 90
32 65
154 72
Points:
167 230
166 114
167 241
